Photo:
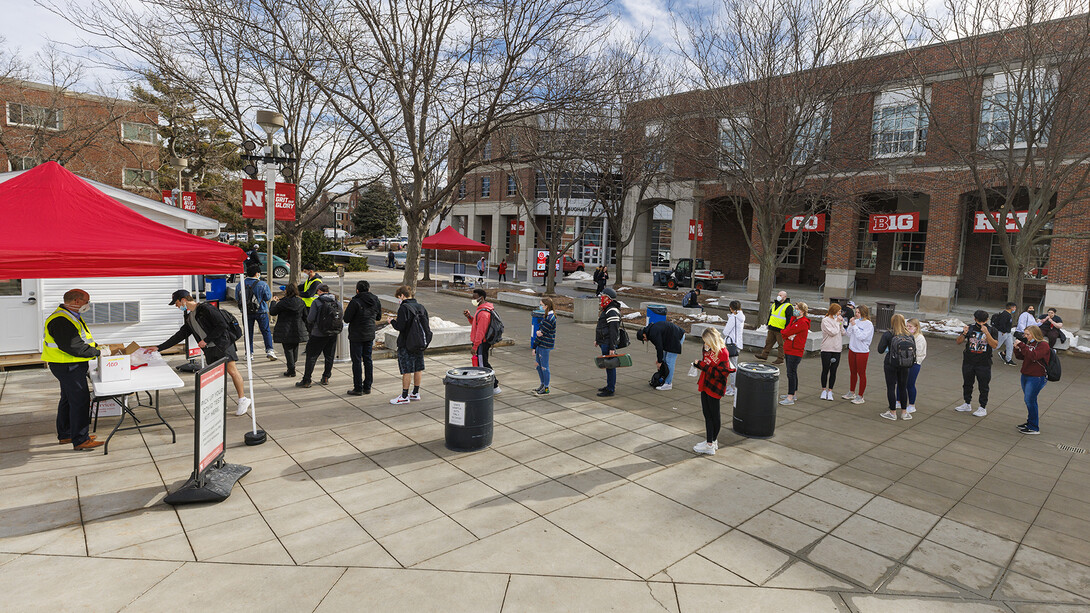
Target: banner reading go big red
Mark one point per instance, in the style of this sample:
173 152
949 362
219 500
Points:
253 200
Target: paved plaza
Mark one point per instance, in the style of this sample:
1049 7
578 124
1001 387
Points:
581 503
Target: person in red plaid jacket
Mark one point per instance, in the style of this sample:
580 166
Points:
714 369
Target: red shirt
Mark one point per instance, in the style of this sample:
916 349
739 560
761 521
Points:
794 336
714 369
502 268
1034 356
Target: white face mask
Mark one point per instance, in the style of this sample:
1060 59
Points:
474 301
84 308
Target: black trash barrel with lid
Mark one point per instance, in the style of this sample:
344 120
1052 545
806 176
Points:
469 408
755 402
883 318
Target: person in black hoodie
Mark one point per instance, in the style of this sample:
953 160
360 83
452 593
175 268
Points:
606 334
291 325
360 315
667 338
321 342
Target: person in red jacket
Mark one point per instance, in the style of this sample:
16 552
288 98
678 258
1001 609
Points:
1035 354
714 369
479 320
794 345
501 270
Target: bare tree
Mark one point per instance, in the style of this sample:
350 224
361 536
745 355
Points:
776 76
1024 65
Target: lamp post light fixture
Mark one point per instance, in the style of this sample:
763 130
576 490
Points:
181 164
271 158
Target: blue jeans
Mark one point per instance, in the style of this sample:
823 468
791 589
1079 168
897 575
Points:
262 320
541 356
611 373
912 374
363 369
669 359
1031 387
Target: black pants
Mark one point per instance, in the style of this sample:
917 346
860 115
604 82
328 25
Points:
712 420
793 362
74 408
830 360
363 369
482 360
983 375
318 346
896 386
601 287
503 276
291 355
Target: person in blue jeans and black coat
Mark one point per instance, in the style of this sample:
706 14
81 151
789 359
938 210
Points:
543 344
667 338
360 315
606 335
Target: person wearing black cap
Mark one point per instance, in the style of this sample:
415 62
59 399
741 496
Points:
667 337
308 289
606 335
208 325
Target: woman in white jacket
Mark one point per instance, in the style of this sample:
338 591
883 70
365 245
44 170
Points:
860 335
921 353
732 333
832 344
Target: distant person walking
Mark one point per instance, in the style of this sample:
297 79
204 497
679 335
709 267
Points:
360 315
414 335
481 266
501 270
256 302
601 276
900 350
1003 321
480 321
732 335
1035 354
390 261
607 335
714 366
779 315
543 344
976 364
832 347
291 325
667 338
794 339
916 331
860 335
325 322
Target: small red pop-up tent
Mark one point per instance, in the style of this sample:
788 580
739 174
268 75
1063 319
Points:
55 225
453 240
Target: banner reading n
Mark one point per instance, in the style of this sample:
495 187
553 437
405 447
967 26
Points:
253 200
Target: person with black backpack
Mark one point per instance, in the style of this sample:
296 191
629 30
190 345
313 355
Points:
414 336
667 338
607 335
486 329
976 364
325 322
1037 358
900 349
256 301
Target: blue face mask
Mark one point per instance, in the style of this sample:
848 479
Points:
181 307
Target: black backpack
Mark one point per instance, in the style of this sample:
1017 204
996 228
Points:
902 351
419 333
1053 371
660 375
622 337
249 300
494 333
234 330
330 321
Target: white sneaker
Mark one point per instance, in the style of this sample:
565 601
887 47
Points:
787 401
665 387
858 400
270 354
898 404
849 396
730 391
705 448
829 396
964 407
888 415
495 390
981 412
911 409
414 396
243 406
906 415
399 399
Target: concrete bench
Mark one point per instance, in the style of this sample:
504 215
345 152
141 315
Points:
753 338
523 299
441 337
671 308
388 302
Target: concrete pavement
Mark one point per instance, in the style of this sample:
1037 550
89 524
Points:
355 504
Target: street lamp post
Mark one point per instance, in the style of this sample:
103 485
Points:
272 123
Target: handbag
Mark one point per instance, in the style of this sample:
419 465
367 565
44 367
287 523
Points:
732 349
617 360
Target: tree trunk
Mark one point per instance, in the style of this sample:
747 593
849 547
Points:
295 254
619 268
765 285
412 251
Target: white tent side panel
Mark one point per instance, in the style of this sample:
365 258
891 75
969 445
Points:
157 319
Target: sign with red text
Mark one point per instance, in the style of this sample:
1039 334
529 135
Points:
986 222
515 227
285 202
805 223
189 201
168 197
211 403
894 222
696 230
253 200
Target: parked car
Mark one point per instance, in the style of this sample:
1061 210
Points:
571 265
373 243
400 257
281 268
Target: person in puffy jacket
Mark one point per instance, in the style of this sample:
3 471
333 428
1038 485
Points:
1035 354
479 320
715 369
360 315
291 326
794 346
916 330
832 347
321 343
860 335
896 374
607 334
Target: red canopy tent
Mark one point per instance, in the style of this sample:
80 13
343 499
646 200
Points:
57 225
453 240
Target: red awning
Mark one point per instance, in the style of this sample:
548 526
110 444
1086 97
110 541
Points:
450 239
53 224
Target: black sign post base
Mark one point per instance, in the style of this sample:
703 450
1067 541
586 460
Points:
218 482
254 438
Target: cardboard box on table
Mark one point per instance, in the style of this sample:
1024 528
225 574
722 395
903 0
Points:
118 365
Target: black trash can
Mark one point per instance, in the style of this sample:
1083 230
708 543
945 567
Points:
884 315
756 399
469 408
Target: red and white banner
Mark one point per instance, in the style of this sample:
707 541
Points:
189 201
983 224
168 197
253 200
805 223
516 227
894 222
696 230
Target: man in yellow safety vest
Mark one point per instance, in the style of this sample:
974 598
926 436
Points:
779 316
67 348
308 289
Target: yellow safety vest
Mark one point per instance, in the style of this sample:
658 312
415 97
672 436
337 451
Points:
51 352
778 318
306 288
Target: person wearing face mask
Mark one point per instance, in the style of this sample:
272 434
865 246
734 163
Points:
68 347
544 343
480 319
779 316
1026 319
607 335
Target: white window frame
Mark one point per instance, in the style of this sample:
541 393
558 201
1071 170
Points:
733 127
866 246
152 130
811 144
486 151
992 115
41 111
26 162
895 99
512 187
794 256
653 136
147 184
900 239
486 187
462 189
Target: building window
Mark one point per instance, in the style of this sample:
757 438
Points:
899 123
511 186
340 216
512 146
486 153
662 226
486 187
21 162
34 116
135 177
141 133
908 249
462 189
866 247
734 142
113 313
653 137
791 256
813 136
1036 269
1012 109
